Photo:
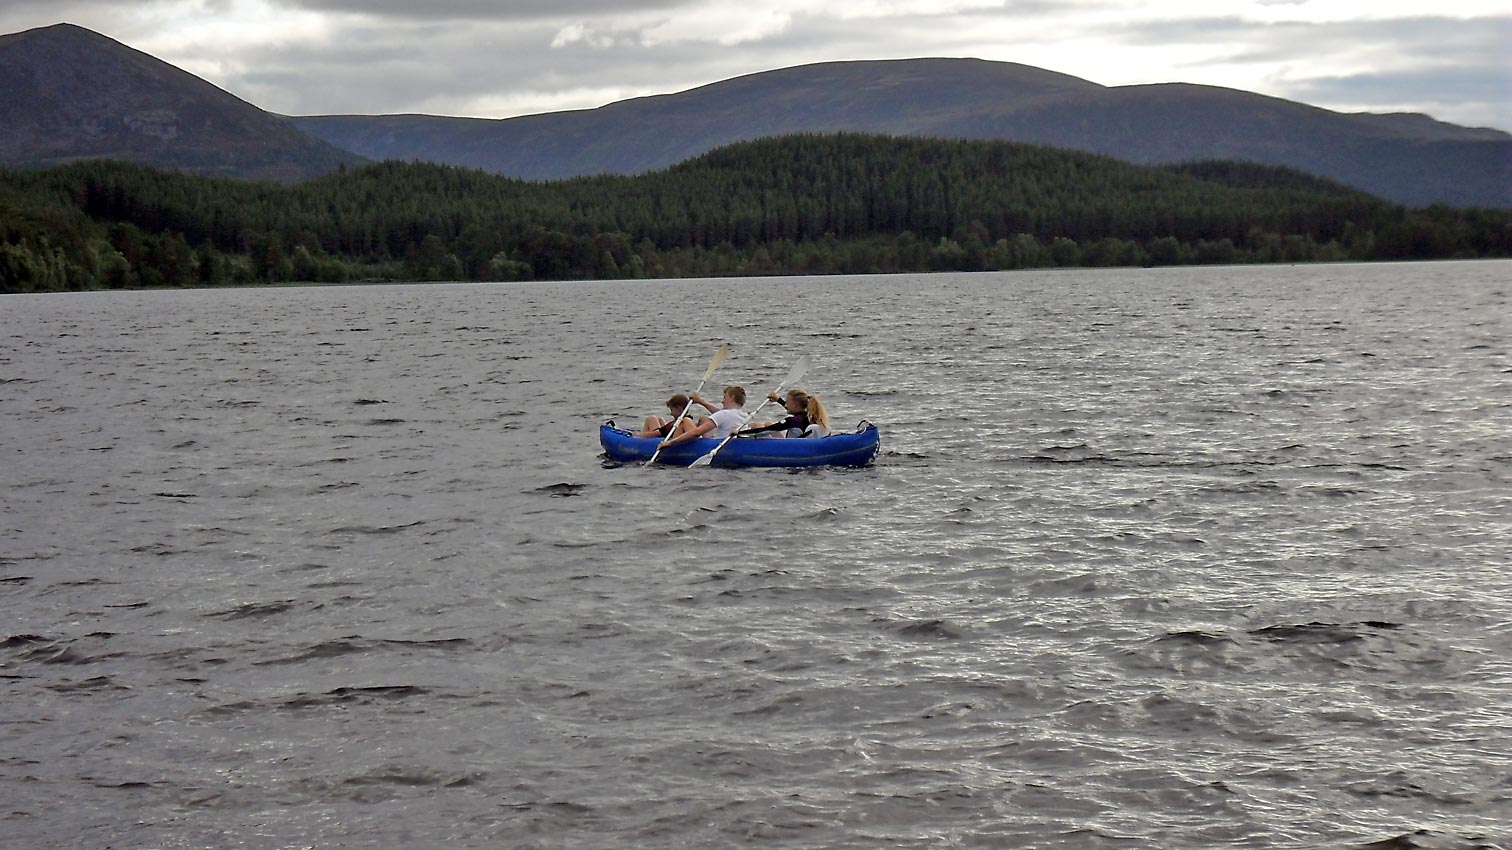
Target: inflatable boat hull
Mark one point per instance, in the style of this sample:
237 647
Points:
856 448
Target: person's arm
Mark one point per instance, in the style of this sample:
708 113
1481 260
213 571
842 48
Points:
781 425
703 427
704 403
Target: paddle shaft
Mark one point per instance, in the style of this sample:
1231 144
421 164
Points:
793 377
719 357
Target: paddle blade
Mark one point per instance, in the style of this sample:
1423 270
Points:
719 357
793 377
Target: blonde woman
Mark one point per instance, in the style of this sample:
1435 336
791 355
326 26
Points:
804 411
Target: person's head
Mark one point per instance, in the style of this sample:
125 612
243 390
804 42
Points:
797 401
677 403
734 395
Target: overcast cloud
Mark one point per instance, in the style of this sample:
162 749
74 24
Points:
496 58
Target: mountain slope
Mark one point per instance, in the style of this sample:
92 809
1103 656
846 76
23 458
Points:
73 94
909 97
1408 158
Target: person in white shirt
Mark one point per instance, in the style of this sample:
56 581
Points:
720 422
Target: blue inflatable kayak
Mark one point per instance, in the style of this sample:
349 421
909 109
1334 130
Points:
856 448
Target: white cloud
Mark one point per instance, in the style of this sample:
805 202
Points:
241 27
719 23
533 102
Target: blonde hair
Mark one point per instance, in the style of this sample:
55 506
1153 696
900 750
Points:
737 393
812 407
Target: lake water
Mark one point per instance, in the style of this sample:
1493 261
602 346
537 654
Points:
1177 558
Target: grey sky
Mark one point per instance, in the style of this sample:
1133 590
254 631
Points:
489 58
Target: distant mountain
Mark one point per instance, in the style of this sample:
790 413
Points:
1410 159
68 93
911 97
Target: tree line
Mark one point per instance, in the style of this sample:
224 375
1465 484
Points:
806 204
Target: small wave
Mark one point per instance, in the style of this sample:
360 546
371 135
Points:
928 630
1323 632
561 490
254 609
1424 839
96 683
376 529
344 696
949 709
1399 785
383 784
380 691
416 778
1194 637
162 550
353 644
1079 453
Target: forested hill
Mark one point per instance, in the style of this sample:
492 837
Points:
799 204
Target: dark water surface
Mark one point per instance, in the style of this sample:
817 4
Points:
1151 559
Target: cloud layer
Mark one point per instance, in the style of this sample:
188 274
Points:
486 58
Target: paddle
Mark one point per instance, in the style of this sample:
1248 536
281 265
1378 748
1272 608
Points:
793 377
719 357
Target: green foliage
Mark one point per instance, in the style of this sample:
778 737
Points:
799 204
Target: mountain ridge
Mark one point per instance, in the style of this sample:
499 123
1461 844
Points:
1409 158
73 94
77 94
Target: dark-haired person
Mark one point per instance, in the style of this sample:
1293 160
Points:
656 426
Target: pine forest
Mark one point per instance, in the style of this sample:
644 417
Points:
806 204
